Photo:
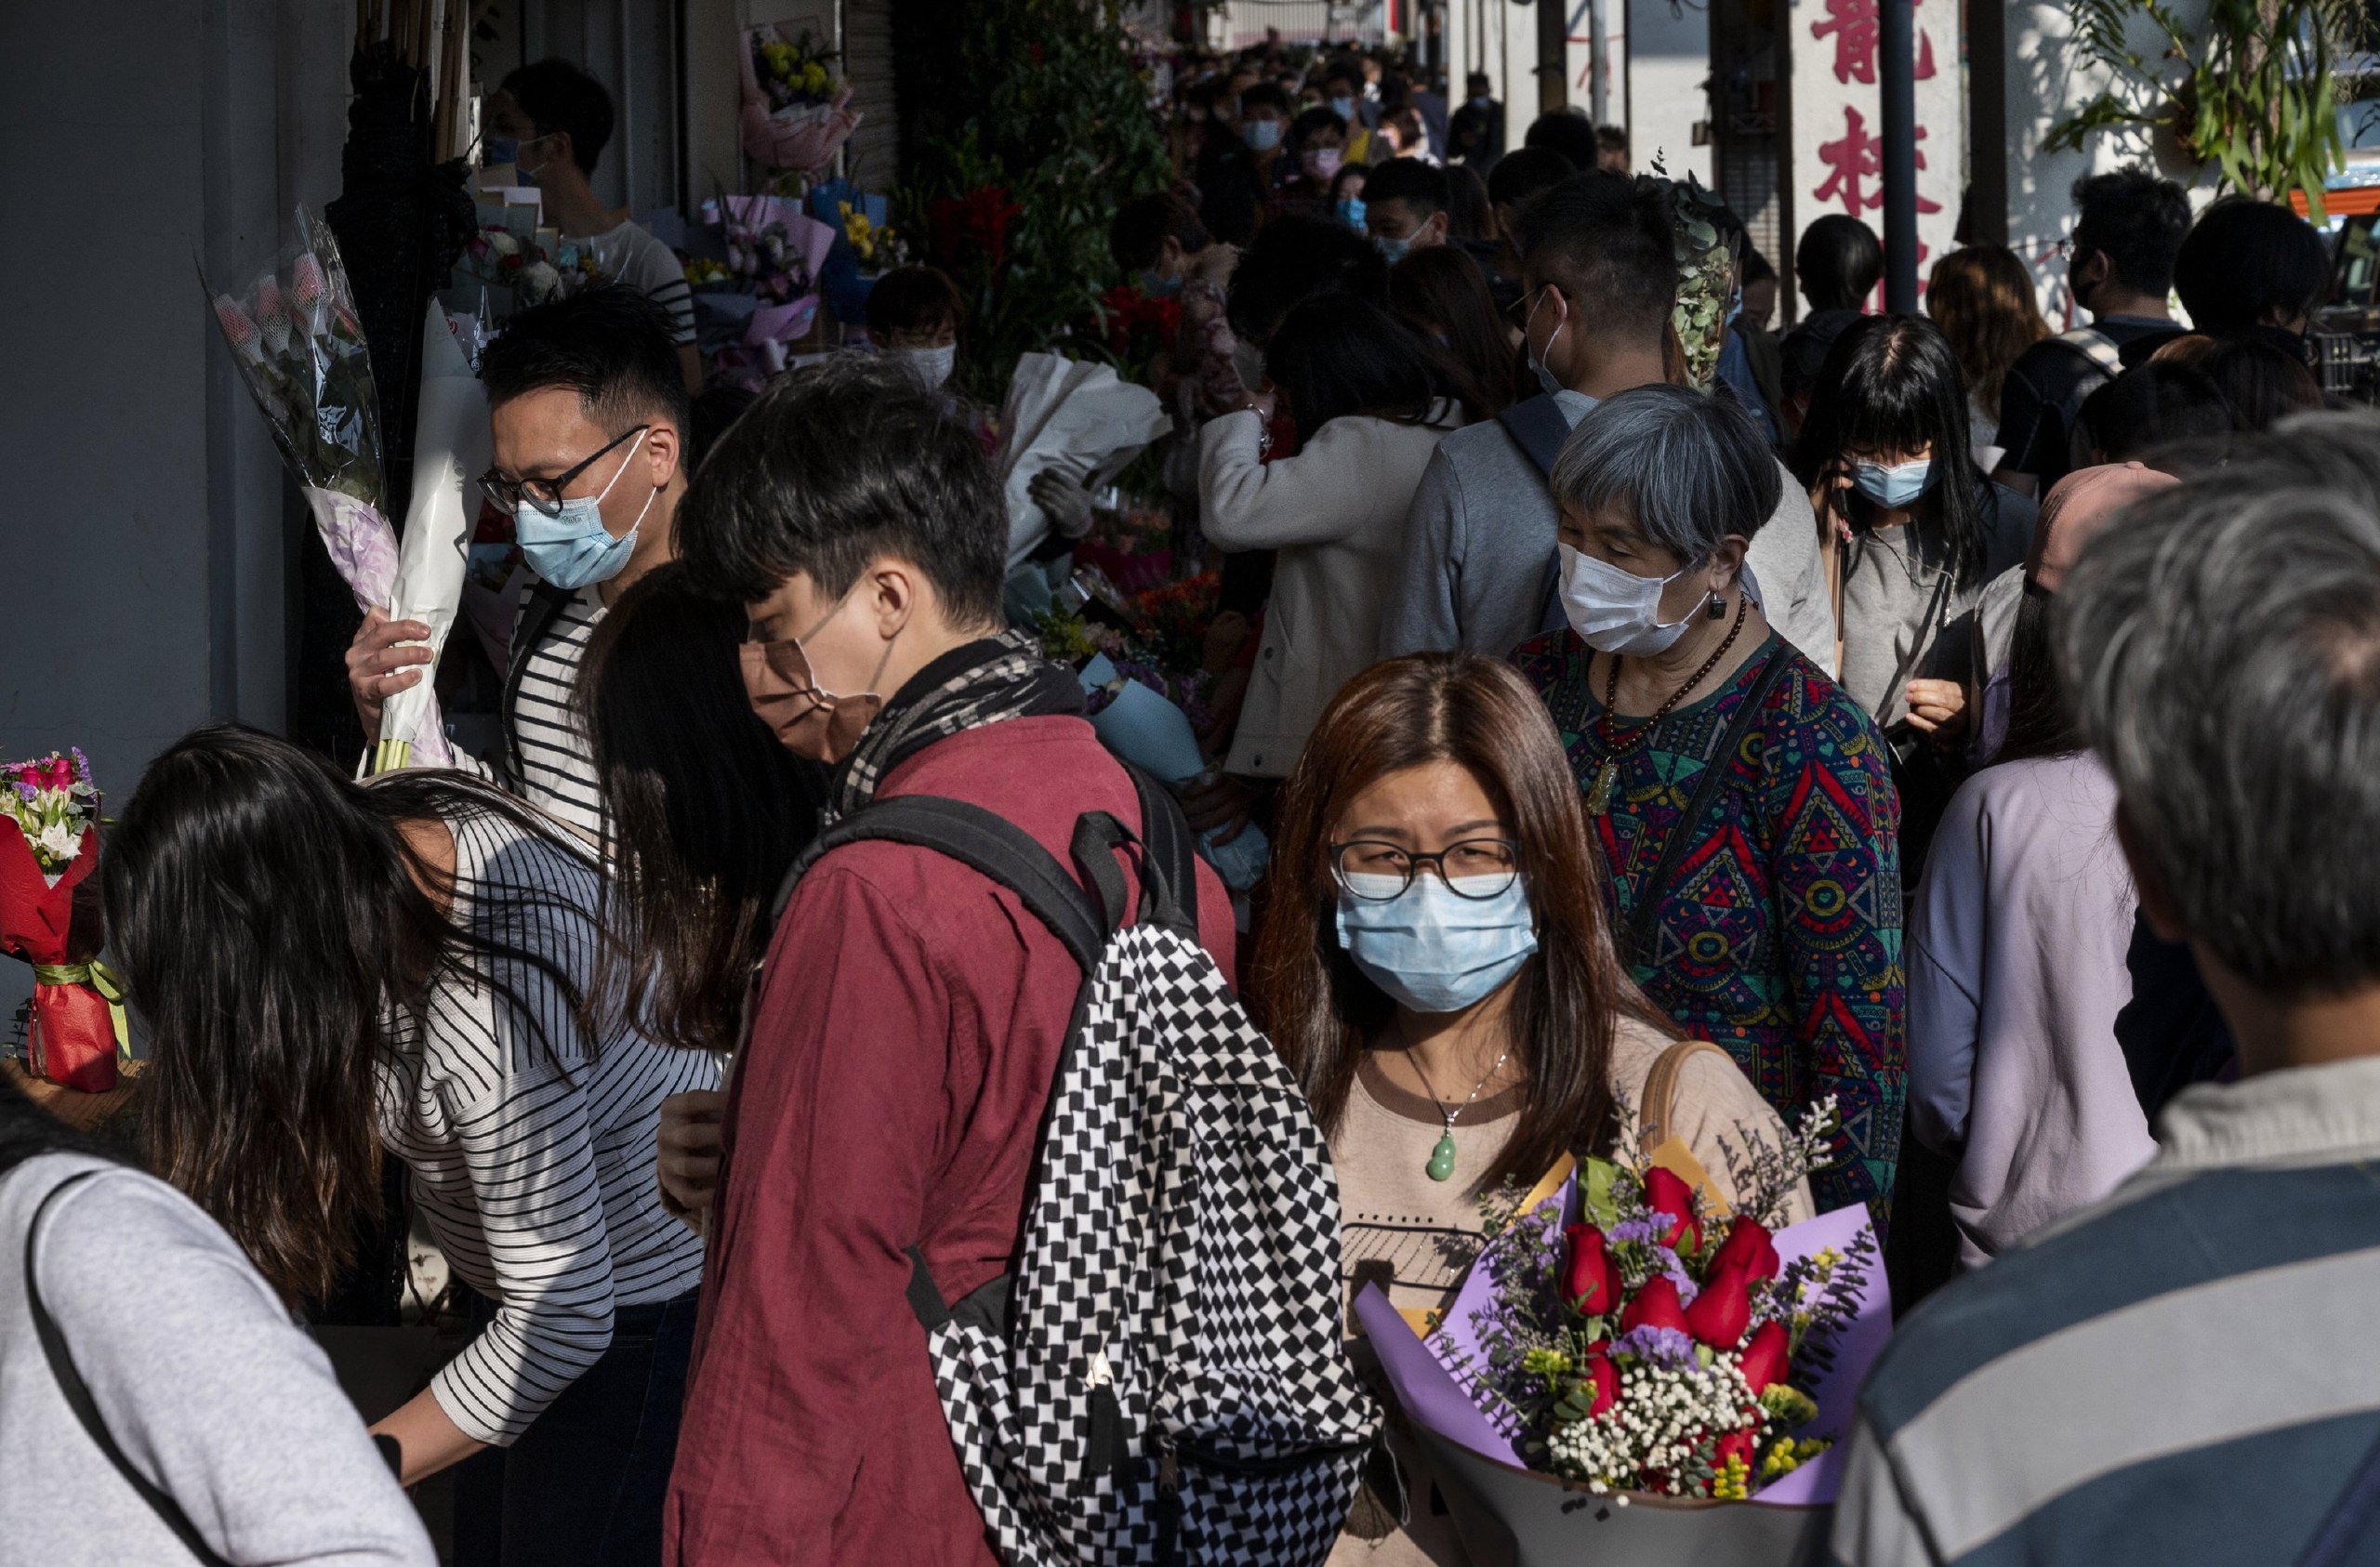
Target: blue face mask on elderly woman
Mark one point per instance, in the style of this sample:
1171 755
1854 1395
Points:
1429 947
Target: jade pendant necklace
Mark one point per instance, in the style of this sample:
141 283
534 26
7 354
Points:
1441 1165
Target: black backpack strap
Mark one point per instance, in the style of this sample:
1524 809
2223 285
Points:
981 840
1538 429
1169 845
1706 793
78 1393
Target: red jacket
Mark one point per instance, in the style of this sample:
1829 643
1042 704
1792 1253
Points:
891 1095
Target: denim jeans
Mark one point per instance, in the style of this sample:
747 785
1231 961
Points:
584 1485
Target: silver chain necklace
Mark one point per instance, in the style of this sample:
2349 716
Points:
1441 1165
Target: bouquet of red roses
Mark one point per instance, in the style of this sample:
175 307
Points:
1629 1337
76 1027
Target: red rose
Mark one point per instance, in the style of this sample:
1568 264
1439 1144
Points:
1747 1246
1656 1305
1666 1192
1765 1357
1586 1279
1603 1375
1722 1310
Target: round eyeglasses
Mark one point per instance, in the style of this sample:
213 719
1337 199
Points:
545 494
1377 872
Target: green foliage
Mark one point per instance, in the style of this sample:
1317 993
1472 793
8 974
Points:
1048 101
2250 91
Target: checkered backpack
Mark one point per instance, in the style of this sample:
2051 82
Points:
1160 1376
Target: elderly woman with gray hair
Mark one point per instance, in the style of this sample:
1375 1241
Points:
1745 803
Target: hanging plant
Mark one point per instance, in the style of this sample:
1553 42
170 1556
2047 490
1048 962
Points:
2249 90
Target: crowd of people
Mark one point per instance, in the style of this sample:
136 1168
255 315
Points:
1954 721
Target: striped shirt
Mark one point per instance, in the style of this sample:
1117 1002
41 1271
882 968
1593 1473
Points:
548 760
2181 1373
631 254
534 1167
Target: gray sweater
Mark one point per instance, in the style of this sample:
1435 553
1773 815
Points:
1478 564
1890 582
212 1393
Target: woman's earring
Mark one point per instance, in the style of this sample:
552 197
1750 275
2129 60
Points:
1718 610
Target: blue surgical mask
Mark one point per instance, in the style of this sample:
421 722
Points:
1343 106
496 150
1263 135
573 548
1392 251
1351 212
1157 286
1482 101
1897 486
1431 949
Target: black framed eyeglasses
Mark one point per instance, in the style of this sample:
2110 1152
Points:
546 493
1377 872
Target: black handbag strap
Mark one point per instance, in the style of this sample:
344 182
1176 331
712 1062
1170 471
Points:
1684 833
1539 427
78 1393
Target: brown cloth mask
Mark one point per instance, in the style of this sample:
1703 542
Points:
808 721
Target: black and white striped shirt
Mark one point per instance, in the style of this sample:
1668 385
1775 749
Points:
532 1165
548 760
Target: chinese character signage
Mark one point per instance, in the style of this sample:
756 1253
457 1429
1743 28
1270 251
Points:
1838 133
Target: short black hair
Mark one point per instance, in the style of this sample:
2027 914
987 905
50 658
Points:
1757 268
2263 382
558 96
1293 260
1469 214
1343 69
1606 239
1265 95
611 345
1408 181
914 298
834 466
1311 123
1336 356
2136 221
2248 262
2152 406
1839 262
1524 171
1567 131
1137 235
1611 139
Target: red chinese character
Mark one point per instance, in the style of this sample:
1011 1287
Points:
1853 23
1856 157
1854 27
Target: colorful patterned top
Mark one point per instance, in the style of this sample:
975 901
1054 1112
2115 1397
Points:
1779 937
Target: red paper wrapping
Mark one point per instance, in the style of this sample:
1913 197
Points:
73 1032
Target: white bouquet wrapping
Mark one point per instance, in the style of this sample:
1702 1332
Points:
1080 419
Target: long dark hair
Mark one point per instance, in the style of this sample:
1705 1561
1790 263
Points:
705 810
271 921
2040 722
1339 355
1892 384
1321 1011
1440 293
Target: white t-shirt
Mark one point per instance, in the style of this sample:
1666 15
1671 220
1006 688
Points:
630 254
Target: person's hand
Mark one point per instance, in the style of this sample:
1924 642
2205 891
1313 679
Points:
1225 636
380 663
688 1167
1221 804
1064 499
1216 263
1937 709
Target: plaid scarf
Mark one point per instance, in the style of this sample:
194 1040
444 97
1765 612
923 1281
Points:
1002 677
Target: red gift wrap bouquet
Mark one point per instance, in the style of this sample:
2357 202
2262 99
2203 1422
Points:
49 844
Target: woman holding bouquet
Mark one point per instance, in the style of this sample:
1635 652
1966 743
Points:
1434 966
331 972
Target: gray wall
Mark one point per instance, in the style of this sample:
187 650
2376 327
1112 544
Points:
145 583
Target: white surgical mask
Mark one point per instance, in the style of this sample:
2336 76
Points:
1613 611
1263 135
931 366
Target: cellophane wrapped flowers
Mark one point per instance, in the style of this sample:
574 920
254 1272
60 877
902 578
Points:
1651 1345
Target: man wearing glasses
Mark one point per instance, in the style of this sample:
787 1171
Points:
589 413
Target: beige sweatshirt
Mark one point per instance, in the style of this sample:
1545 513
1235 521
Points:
1415 1236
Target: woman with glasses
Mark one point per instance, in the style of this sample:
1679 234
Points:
1436 967
1744 803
